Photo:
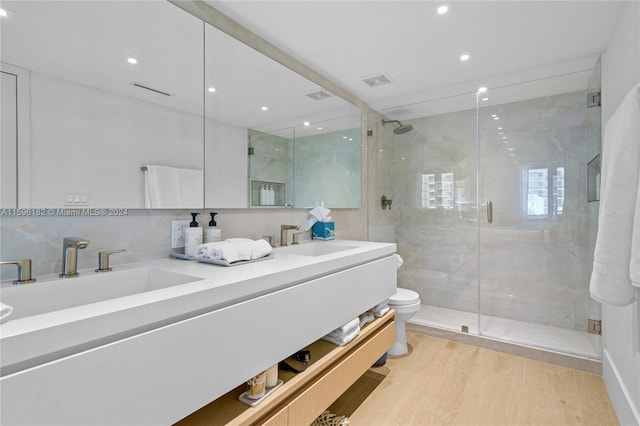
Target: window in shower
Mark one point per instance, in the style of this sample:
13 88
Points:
545 191
428 191
442 191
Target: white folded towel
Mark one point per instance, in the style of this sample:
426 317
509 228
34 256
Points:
380 309
344 334
366 318
616 265
342 339
5 311
234 250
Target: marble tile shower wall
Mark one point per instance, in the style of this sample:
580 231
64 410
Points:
144 233
336 151
532 267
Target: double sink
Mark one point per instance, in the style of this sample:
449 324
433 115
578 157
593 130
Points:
48 296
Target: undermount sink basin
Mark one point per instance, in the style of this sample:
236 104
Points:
315 248
49 296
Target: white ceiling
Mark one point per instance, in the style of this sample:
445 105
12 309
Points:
510 42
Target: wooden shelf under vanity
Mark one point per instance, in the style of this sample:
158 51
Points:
304 396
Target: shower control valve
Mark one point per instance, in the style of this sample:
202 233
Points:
386 202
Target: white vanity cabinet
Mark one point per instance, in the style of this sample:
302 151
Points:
160 376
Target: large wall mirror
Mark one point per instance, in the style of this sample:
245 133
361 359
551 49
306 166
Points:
84 127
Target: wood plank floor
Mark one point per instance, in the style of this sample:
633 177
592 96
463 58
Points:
442 382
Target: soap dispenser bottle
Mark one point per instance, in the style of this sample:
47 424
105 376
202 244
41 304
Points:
192 237
263 195
212 233
271 196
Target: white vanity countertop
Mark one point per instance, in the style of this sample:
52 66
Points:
67 331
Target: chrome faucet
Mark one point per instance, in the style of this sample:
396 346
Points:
283 234
70 246
24 270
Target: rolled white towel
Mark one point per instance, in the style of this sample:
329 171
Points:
380 309
366 317
344 338
5 311
348 327
234 250
260 249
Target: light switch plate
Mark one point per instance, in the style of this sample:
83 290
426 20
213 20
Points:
177 232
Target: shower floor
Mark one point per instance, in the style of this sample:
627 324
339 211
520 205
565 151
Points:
559 340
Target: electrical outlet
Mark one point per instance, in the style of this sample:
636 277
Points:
177 232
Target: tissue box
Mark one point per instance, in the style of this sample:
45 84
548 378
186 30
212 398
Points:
323 231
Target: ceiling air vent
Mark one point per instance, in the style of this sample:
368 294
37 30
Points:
142 86
319 95
377 80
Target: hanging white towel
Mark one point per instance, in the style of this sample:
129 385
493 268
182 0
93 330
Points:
173 187
191 184
617 254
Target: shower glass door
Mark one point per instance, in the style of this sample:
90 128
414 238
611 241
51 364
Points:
536 226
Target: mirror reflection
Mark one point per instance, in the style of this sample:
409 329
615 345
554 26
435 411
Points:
112 87
158 113
285 123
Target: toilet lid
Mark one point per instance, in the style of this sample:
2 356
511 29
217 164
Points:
404 297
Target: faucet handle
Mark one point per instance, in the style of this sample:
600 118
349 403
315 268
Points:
295 237
24 270
271 239
103 259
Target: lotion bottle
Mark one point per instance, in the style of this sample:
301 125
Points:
192 237
271 196
263 195
212 233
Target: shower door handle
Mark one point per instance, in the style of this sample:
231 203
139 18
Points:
489 212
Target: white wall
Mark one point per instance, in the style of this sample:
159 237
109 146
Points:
621 326
75 149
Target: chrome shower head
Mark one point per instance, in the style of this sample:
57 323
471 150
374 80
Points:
402 128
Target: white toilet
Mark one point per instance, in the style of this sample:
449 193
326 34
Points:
406 304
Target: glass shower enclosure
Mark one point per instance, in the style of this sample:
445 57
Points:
491 213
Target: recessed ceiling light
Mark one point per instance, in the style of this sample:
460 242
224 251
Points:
319 128
132 60
510 149
499 128
504 137
211 89
442 9
3 12
485 99
465 57
264 108
494 115
482 89
496 118
306 123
